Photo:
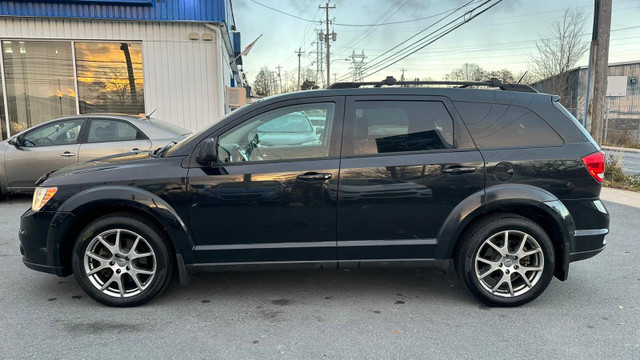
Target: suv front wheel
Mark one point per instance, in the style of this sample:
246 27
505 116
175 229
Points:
506 260
122 260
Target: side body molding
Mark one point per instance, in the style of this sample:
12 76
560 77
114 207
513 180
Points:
122 196
512 195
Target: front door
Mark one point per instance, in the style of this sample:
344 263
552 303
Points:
45 148
266 199
406 164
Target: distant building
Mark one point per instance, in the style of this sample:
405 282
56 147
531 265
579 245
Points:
623 111
65 57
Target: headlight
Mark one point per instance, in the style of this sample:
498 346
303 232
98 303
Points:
41 196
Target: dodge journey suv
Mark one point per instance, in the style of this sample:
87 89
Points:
495 181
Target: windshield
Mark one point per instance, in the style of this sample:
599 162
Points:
290 123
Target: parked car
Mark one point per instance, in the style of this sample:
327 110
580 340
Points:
501 185
28 155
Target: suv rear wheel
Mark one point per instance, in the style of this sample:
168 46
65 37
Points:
122 260
506 260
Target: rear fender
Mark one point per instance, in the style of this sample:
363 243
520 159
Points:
509 195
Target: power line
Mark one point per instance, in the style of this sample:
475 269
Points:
439 36
282 12
418 33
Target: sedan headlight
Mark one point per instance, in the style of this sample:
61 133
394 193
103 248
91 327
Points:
41 196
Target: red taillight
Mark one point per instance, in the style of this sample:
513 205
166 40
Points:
595 164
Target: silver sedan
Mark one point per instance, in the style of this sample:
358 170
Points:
26 156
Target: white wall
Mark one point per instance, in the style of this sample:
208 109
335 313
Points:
183 79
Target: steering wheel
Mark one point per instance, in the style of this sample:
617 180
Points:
227 151
45 141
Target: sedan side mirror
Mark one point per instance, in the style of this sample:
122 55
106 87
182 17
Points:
207 153
15 141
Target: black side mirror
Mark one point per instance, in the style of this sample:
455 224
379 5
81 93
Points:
207 152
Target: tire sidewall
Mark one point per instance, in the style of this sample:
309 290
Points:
151 235
491 228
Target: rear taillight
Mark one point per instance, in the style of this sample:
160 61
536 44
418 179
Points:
595 164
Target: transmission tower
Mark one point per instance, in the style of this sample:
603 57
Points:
357 65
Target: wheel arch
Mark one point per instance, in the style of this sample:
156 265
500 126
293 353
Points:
531 202
83 208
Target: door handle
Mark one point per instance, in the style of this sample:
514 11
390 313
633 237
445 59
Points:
135 149
314 176
67 154
458 170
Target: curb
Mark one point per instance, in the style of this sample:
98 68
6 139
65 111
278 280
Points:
621 149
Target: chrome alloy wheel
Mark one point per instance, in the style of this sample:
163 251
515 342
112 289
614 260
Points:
509 263
120 263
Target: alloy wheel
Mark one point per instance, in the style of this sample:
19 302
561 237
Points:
120 263
509 263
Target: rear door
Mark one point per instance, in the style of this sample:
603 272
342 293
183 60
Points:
406 163
111 136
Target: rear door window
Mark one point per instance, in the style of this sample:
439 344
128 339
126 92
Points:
381 127
506 126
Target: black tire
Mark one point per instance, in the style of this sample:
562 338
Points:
152 252
493 228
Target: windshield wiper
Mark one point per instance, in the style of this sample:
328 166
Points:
159 152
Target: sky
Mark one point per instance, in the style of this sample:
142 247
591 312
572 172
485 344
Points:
503 37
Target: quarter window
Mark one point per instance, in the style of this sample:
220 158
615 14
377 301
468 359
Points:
294 132
498 126
400 126
111 130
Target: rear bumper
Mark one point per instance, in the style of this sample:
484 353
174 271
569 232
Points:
592 226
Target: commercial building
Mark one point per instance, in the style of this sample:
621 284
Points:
622 101
175 58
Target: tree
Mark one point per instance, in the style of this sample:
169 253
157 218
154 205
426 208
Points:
468 72
559 52
263 85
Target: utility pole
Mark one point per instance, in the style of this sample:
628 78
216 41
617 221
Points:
299 52
596 108
402 76
335 77
279 77
327 38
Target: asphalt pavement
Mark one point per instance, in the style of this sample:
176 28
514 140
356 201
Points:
328 314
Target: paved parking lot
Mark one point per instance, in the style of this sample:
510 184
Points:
357 314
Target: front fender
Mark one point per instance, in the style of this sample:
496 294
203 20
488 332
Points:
121 197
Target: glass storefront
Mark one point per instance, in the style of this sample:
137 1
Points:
110 77
39 80
41 84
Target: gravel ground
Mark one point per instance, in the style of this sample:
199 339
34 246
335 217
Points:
333 314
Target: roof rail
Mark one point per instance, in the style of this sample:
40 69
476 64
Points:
391 81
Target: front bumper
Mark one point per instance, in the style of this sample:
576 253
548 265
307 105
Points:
39 245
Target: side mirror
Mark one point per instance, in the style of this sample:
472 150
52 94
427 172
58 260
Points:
15 141
207 152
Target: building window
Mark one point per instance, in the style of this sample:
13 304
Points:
110 77
40 82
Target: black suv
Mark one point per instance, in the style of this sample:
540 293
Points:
500 183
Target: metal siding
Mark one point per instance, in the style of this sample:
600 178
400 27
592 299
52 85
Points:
181 76
162 10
